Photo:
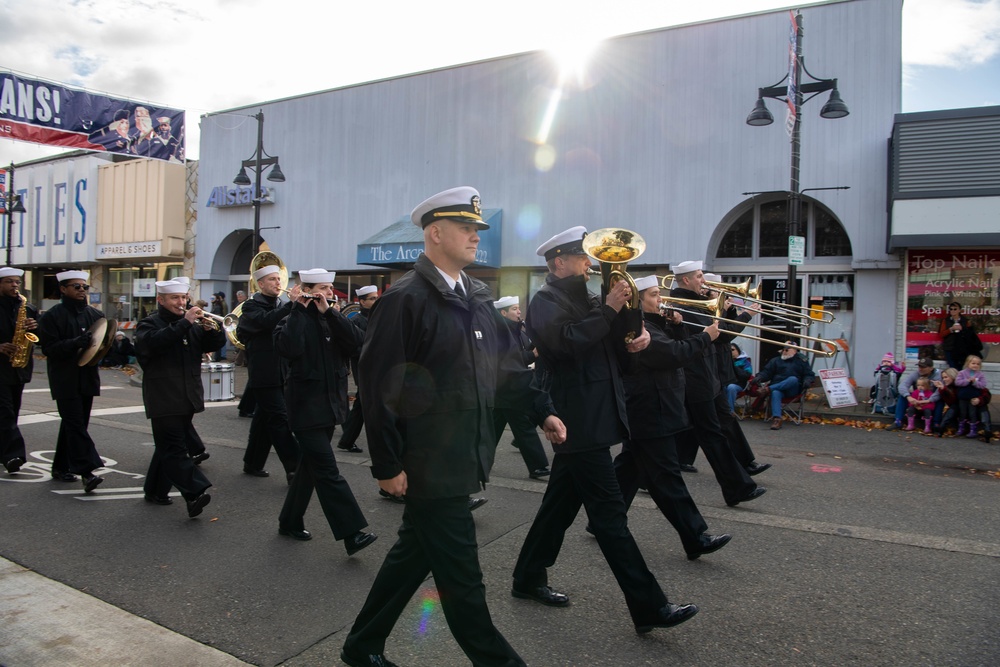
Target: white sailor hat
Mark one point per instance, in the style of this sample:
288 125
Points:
713 277
367 289
73 275
316 276
687 267
8 271
461 203
642 284
506 302
265 271
569 242
182 279
171 287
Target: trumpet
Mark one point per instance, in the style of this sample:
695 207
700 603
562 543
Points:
227 323
779 311
714 307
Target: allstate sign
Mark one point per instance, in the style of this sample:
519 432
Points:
229 197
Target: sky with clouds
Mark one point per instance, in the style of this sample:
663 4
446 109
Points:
209 55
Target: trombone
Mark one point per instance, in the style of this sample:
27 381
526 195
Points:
779 311
714 307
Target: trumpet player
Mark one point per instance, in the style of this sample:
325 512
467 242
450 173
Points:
261 314
65 333
169 345
13 378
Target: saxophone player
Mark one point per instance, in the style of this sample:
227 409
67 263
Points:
13 309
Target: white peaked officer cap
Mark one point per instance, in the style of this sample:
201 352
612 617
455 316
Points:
461 203
506 302
171 287
714 277
72 275
316 276
265 271
687 267
182 279
642 284
569 242
367 289
8 271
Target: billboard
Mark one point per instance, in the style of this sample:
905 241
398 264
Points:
52 114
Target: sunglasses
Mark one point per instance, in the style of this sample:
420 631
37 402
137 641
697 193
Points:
80 286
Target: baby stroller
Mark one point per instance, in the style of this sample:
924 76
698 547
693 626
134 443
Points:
885 391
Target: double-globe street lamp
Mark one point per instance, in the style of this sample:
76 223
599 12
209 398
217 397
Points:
12 204
258 162
792 95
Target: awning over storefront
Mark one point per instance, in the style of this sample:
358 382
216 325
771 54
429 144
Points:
398 245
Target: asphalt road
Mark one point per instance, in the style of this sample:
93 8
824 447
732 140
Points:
870 548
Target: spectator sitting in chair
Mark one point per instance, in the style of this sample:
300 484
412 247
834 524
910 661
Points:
787 375
925 368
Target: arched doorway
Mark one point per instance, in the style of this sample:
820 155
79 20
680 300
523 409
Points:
751 243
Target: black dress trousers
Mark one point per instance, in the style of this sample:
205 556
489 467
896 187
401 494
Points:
437 536
732 477
318 469
588 478
270 426
353 424
656 458
738 442
171 465
525 436
75 450
11 440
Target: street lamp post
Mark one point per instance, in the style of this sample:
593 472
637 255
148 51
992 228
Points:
258 162
12 205
792 95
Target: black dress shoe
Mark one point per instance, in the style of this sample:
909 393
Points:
388 496
196 505
303 534
709 544
14 464
687 467
63 476
757 468
668 617
542 594
753 495
158 501
256 473
538 474
358 541
198 458
476 503
91 482
354 449
372 660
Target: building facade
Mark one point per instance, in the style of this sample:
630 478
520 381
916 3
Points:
652 138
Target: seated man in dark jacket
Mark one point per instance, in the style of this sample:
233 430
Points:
786 375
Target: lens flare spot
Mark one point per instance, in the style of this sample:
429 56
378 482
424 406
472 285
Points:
529 222
428 604
545 157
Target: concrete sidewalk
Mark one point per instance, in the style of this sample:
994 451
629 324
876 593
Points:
43 623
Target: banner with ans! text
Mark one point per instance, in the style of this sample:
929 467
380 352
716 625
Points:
55 115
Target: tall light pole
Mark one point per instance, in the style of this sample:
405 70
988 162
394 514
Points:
11 205
258 162
792 95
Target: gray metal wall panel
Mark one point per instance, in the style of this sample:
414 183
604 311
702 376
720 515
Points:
957 154
657 143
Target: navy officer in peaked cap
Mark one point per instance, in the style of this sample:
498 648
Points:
436 358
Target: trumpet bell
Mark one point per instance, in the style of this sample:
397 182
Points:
612 245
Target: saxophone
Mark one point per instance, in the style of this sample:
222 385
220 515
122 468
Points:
23 339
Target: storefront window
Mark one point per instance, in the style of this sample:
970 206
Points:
831 238
936 278
771 231
738 241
